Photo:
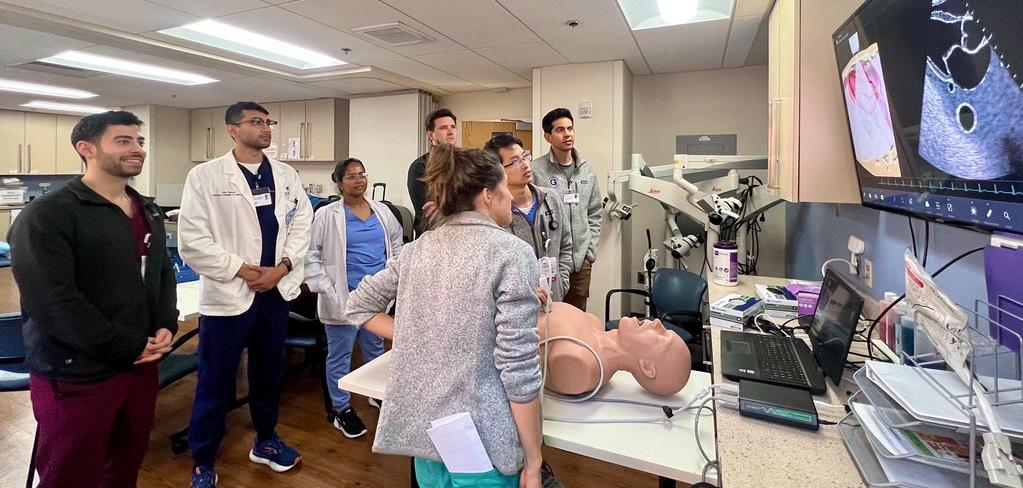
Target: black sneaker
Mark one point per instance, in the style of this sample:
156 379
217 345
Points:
547 477
373 402
349 423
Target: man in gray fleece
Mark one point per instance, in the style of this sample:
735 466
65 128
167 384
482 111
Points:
465 336
537 213
564 170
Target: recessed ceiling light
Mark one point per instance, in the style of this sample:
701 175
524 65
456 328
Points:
248 43
65 107
83 60
650 14
47 90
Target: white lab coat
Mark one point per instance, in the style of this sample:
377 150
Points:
326 264
218 231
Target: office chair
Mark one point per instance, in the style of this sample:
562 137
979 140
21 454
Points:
14 372
676 298
173 367
306 332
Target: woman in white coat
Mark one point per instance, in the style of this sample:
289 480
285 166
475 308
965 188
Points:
351 238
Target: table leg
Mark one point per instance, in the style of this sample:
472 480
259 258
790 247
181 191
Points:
412 470
663 482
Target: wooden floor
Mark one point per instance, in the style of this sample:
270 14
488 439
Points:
330 459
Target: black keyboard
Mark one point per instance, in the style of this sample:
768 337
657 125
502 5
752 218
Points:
776 357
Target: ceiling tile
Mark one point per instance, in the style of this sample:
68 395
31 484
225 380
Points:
418 71
603 47
207 8
281 24
747 8
740 40
472 67
144 16
472 23
523 58
363 13
686 47
19 45
360 86
549 19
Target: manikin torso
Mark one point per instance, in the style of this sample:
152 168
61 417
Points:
656 357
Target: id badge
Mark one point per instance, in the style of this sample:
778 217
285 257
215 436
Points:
261 197
548 268
571 198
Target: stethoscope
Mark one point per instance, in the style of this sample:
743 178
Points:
552 224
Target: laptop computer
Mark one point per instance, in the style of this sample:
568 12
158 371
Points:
787 361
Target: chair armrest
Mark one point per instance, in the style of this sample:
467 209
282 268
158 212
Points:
183 338
302 319
607 299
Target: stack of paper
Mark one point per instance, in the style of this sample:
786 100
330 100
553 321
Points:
459 444
910 443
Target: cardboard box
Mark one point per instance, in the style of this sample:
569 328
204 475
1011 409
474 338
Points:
778 304
732 311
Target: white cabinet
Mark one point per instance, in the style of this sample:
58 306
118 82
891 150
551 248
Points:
37 143
809 153
68 160
209 137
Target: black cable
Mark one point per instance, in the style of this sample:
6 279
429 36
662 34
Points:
912 234
870 329
927 240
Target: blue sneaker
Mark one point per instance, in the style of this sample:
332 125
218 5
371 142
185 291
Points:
204 477
275 454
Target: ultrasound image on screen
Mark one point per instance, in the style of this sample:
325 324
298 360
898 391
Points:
971 124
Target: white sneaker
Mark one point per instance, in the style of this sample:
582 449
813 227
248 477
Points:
373 402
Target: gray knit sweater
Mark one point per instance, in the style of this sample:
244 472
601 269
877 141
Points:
465 337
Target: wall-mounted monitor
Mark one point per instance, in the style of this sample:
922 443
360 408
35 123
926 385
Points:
933 91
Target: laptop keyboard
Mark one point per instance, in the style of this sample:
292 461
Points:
778 361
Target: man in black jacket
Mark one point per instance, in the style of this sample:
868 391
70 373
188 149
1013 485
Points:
98 294
441 127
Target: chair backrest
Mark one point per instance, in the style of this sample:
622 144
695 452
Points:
677 291
12 343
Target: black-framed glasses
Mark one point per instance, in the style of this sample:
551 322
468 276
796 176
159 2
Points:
356 177
257 122
526 158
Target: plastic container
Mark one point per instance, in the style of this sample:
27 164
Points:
726 263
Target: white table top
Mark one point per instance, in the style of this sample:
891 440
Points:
664 449
756 453
188 300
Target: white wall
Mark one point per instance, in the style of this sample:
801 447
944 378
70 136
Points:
489 105
726 101
602 140
384 134
143 183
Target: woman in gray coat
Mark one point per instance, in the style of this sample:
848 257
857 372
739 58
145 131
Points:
464 330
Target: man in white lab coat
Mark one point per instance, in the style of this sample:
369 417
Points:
244 227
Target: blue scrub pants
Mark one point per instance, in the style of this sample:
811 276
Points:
261 329
340 341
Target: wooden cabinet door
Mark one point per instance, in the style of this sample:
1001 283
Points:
12 142
222 142
783 76
291 127
68 161
40 143
319 130
200 147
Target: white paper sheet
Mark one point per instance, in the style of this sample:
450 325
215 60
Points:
459 444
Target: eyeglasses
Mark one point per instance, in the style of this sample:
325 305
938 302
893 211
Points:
356 177
526 158
257 122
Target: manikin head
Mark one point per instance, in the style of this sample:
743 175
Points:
662 359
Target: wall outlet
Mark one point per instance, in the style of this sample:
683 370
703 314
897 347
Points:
868 273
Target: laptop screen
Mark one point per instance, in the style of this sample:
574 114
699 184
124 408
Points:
834 323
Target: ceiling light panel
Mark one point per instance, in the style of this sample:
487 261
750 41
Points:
95 62
651 14
45 90
64 107
247 43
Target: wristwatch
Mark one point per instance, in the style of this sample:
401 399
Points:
287 264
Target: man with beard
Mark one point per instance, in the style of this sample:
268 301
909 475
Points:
244 228
98 295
